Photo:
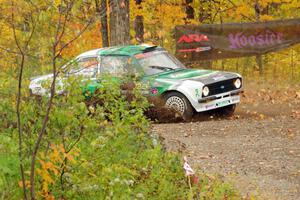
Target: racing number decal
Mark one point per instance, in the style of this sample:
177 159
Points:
197 93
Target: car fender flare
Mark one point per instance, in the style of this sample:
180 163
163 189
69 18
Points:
192 90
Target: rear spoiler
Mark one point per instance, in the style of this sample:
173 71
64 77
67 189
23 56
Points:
148 49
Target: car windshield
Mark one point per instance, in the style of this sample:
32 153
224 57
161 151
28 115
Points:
147 63
157 62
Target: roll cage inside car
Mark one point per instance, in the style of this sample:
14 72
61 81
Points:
148 62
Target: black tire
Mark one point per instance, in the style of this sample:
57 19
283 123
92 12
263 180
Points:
180 104
227 111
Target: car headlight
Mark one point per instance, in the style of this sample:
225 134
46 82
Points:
238 83
205 91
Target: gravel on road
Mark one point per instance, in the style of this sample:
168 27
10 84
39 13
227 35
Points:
258 149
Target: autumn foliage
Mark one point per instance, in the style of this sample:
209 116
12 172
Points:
100 155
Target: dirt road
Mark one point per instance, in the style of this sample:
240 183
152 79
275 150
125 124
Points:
258 149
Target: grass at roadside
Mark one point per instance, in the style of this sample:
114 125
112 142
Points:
106 154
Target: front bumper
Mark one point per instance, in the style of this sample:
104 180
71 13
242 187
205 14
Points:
219 96
218 101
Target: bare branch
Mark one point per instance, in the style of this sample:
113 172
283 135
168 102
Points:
57 28
65 21
18 104
32 31
232 3
9 50
14 28
75 38
51 98
41 133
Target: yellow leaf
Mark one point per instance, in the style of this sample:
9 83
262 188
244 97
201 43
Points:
266 17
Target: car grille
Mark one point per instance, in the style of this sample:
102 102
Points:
221 87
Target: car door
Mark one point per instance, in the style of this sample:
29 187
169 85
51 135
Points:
118 66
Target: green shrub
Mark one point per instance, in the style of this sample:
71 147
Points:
104 153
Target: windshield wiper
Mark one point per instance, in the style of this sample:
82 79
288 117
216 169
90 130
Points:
162 68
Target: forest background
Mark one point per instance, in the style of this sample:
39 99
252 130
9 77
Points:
55 149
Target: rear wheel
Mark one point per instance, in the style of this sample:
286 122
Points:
180 104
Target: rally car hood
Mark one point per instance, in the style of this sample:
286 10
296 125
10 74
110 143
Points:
203 76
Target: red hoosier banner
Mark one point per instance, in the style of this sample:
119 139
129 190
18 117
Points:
217 41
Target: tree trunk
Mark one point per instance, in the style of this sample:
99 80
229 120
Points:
112 21
204 16
258 58
292 64
101 8
119 22
139 25
189 11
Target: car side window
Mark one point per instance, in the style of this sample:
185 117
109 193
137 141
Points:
115 65
88 65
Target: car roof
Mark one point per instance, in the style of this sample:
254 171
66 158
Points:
91 53
128 50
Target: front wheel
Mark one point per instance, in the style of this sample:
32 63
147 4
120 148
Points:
226 111
179 103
